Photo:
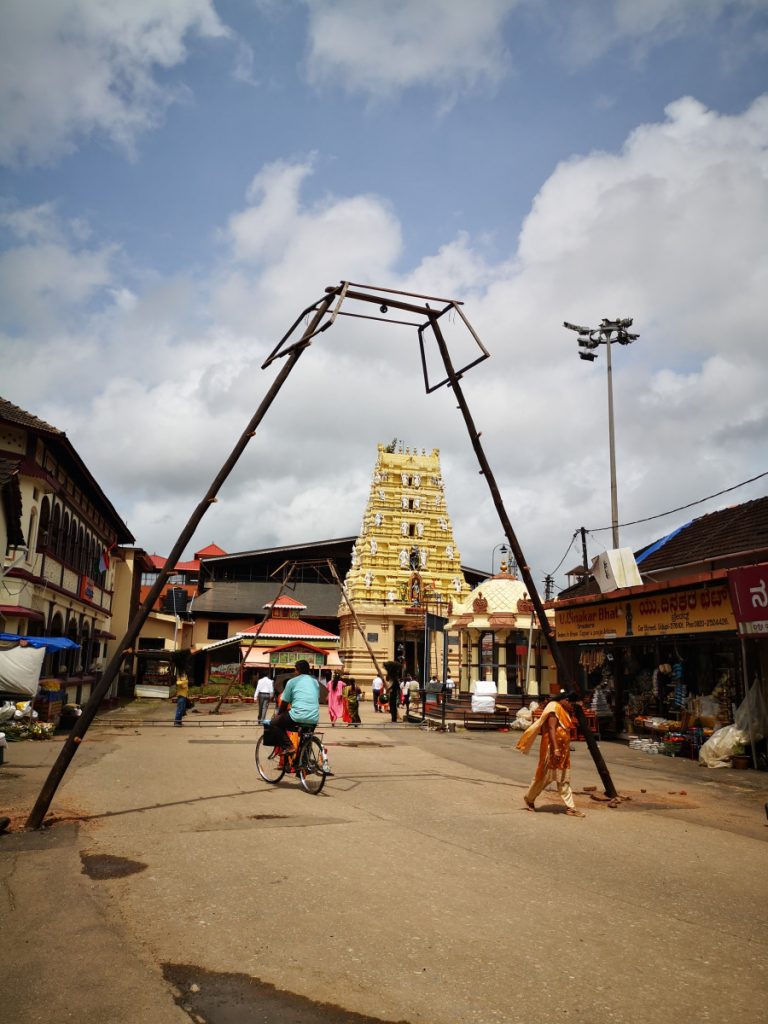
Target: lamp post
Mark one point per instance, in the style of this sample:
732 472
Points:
608 333
504 552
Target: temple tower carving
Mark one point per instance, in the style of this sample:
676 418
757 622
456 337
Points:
405 562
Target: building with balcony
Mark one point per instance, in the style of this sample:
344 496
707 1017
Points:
59 581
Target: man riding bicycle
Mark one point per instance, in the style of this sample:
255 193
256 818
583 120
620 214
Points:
302 693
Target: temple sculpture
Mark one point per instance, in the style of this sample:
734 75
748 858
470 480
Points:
405 563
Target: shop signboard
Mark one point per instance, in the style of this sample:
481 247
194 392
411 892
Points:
287 659
660 613
225 673
749 595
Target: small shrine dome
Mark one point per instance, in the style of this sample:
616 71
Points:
493 600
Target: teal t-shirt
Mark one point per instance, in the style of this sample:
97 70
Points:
303 694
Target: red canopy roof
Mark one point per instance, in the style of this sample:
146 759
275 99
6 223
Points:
284 602
288 629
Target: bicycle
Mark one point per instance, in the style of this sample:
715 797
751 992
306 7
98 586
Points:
309 761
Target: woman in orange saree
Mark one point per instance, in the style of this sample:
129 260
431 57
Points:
554 727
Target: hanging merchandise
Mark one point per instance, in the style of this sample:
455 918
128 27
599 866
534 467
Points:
591 658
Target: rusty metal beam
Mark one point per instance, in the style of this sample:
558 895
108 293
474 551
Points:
75 738
525 572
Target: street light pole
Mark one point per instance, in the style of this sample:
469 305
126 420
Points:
608 333
612 451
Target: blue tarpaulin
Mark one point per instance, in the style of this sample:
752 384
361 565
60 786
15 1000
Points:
53 643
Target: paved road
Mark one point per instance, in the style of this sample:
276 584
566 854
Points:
415 888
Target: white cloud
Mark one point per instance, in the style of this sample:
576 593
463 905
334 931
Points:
670 230
383 47
586 31
70 68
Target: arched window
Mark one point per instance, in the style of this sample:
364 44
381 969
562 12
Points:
80 552
32 535
61 547
45 524
69 556
55 536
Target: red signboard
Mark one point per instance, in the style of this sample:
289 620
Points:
749 597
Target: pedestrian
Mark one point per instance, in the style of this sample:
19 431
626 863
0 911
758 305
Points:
408 685
352 702
264 692
377 685
182 698
394 694
449 684
336 698
554 728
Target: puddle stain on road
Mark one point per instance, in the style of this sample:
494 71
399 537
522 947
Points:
224 998
101 866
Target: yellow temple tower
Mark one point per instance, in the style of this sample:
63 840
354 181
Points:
405 563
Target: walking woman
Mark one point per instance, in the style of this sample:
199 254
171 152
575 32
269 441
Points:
335 698
352 700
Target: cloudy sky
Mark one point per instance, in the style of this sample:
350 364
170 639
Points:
180 178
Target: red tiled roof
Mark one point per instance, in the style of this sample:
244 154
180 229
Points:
212 551
159 562
284 602
299 643
11 413
288 629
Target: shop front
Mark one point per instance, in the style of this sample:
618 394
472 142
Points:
661 659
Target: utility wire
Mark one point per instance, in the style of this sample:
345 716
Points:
600 529
573 538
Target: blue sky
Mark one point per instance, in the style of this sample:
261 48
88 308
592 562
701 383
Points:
180 177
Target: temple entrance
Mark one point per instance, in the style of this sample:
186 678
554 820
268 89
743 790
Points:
409 646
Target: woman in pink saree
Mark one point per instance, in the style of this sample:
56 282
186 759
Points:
335 698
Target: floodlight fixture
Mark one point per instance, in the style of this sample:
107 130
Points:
590 338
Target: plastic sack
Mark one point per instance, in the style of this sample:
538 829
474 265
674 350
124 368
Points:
7 712
718 750
752 714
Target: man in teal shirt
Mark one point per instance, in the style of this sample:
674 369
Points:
302 692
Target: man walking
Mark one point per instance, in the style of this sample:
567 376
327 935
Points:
264 692
377 685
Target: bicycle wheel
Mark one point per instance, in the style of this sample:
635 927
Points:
310 769
268 762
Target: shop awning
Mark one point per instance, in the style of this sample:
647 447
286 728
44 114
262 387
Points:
21 613
53 643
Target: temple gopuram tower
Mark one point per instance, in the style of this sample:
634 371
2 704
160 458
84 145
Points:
405 563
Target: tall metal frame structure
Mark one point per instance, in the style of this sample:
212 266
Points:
339 300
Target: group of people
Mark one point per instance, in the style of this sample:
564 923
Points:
394 697
299 704
343 698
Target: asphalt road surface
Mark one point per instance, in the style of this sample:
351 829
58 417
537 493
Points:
175 885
